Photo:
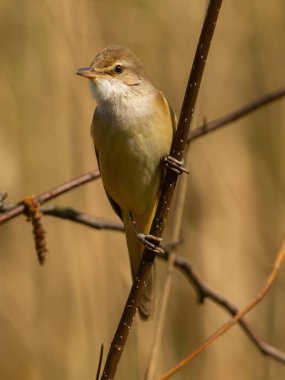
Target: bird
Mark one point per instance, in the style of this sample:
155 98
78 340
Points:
132 129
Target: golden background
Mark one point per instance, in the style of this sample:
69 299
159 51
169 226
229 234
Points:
53 319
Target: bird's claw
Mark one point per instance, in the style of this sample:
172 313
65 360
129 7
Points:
151 242
175 165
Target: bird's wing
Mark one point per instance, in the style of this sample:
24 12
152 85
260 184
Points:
114 205
173 117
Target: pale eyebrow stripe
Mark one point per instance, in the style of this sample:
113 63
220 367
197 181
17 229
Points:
108 68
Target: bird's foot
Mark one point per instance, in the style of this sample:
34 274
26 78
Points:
175 165
151 242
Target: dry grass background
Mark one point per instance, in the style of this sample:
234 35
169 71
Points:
53 319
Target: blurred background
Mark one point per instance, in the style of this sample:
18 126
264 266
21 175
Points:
53 319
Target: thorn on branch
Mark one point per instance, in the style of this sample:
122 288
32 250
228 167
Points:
3 196
34 215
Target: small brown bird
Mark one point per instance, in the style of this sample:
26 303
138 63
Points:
132 129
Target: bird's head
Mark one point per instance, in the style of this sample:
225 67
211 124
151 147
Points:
115 71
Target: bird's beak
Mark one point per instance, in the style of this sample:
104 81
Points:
87 72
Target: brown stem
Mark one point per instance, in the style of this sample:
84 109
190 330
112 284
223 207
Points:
204 292
237 114
168 186
53 193
237 317
81 218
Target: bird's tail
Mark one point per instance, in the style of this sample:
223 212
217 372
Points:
135 248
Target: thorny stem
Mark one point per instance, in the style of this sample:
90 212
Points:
167 191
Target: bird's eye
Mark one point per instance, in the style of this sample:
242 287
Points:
118 69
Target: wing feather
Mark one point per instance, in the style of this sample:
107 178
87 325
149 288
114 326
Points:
114 205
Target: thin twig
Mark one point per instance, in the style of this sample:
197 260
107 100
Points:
237 114
100 362
204 292
53 193
81 218
241 313
168 187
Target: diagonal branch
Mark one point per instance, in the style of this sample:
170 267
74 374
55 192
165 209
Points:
53 193
237 114
237 317
167 191
81 218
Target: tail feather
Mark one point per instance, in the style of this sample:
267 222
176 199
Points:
146 305
135 248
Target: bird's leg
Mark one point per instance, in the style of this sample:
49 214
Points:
175 165
149 241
